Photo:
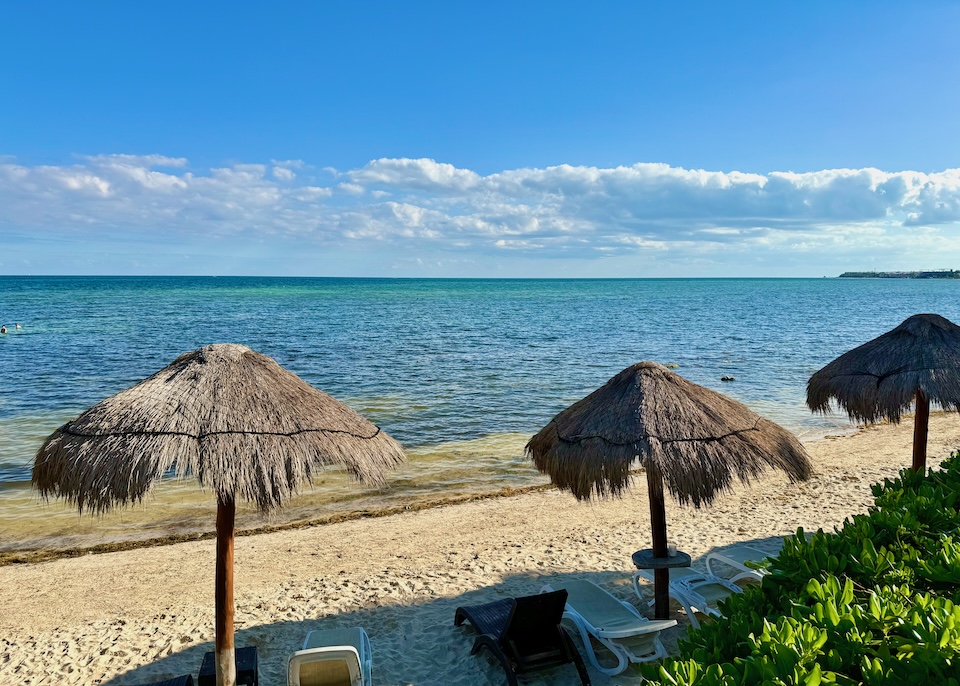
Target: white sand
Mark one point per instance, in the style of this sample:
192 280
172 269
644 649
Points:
144 615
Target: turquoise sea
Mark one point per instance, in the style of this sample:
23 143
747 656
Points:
461 372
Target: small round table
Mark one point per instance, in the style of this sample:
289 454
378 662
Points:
645 559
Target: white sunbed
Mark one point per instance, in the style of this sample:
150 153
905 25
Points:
695 591
337 657
616 625
737 557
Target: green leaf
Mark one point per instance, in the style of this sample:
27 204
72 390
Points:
815 677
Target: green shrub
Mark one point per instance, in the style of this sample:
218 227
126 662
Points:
877 603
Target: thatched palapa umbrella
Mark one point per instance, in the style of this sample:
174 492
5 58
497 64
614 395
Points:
916 362
693 439
242 424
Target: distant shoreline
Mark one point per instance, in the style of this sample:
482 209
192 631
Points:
937 274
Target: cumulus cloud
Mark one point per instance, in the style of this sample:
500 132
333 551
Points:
284 174
422 174
421 204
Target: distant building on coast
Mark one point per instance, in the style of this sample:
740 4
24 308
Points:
935 274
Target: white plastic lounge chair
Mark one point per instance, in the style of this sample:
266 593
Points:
338 657
695 591
616 625
737 557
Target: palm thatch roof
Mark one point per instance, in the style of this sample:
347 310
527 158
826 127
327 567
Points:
698 439
880 378
242 424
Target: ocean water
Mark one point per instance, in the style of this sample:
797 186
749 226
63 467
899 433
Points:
461 372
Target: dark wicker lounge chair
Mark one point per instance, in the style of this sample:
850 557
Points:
185 680
524 633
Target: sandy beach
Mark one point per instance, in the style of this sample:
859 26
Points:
143 615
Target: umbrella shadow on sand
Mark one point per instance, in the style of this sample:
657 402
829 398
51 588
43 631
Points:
414 639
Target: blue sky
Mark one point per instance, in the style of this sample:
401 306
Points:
479 139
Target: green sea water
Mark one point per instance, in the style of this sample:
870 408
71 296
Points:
461 372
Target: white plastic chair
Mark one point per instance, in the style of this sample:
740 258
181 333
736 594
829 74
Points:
618 626
737 557
695 591
337 657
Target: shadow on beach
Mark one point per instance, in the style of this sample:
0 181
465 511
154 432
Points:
416 643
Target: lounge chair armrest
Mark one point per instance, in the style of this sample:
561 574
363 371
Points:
642 627
661 624
489 640
635 631
754 574
651 624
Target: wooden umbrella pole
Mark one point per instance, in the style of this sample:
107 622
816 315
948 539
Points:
658 526
226 658
921 422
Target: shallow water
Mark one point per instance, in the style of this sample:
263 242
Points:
461 372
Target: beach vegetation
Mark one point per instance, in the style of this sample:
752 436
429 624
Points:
875 603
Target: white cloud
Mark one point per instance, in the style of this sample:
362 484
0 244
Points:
423 174
284 174
289 164
137 160
351 188
422 205
311 193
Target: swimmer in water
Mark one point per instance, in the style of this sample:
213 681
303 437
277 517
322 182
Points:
3 329
17 326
